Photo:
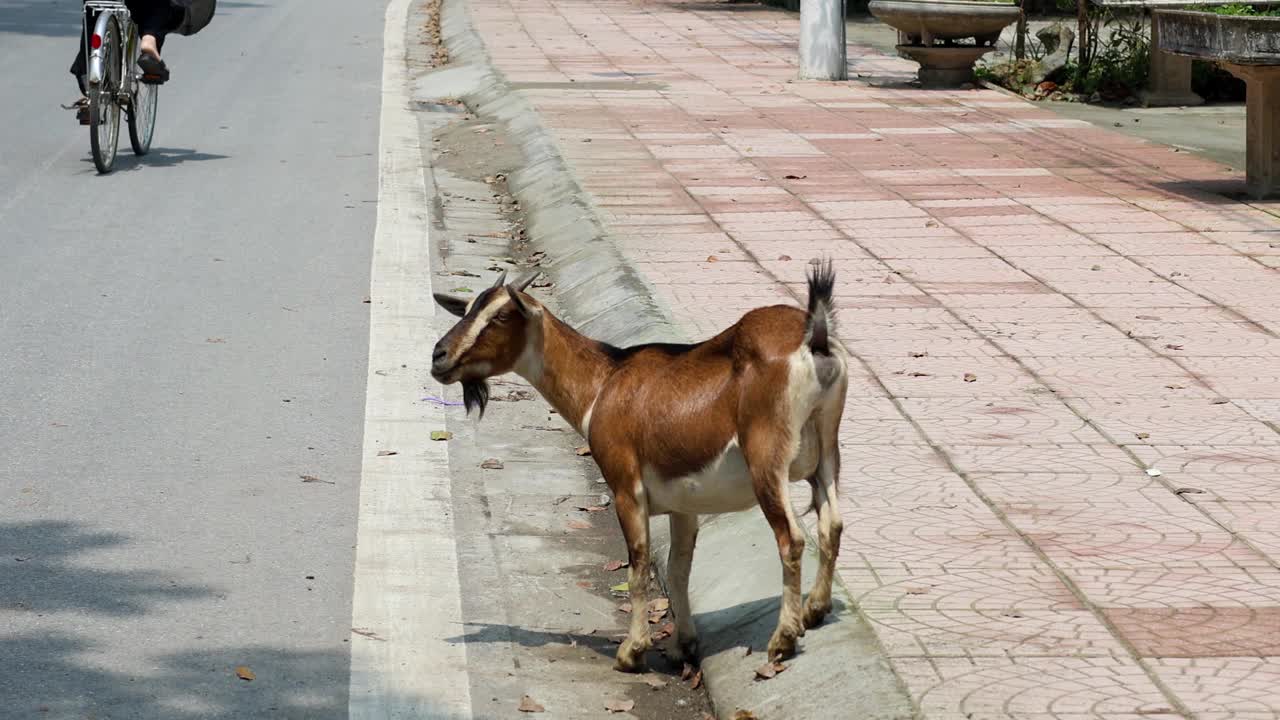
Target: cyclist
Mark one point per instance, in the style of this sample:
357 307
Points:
155 19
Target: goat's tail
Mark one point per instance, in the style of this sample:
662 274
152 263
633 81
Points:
821 318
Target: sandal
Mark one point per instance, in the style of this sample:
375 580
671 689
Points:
154 71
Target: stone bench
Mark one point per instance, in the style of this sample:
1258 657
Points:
1169 83
1249 48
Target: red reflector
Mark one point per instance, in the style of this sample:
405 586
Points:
96 41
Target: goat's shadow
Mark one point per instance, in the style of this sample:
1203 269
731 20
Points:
732 629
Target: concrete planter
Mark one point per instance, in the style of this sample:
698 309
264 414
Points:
1249 48
929 30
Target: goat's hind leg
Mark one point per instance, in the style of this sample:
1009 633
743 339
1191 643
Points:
830 524
766 459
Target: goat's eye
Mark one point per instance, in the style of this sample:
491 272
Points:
502 316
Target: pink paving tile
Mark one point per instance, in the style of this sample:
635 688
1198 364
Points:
1254 585
990 420
1219 688
1200 632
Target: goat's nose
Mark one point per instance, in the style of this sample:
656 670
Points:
438 357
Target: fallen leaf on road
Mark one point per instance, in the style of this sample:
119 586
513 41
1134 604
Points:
621 587
1220 401
748 652
579 525
583 451
362 632
664 632
745 715
1171 346
590 508
1142 436
918 354
439 435
794 177
655 682
389 453
624 607
921 374
1146 317
659 605
614 565
492 464
768 671
585 584
244 673
214 340
656 617
529 705
687 672
1188 491
620 706
712 258
696 681
314 479
970 377
917 590
784 258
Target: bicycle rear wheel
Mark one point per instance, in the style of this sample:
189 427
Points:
104 107
142 115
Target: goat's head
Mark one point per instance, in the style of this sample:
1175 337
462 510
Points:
495 330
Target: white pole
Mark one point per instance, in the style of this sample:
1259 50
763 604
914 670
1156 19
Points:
822 53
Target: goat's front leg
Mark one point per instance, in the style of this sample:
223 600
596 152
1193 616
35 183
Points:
633 514
684 535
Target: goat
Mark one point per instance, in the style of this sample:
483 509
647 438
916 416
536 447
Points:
683 430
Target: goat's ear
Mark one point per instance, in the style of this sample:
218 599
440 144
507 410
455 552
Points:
456 306
520 304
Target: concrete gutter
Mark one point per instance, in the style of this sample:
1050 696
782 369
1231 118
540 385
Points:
841 672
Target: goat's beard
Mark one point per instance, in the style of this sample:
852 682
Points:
475 395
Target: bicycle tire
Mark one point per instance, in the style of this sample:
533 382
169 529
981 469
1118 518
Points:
104 108
142 116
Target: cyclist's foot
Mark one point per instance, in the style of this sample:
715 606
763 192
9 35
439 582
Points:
154 71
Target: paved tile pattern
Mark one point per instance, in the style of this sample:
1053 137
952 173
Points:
1062 464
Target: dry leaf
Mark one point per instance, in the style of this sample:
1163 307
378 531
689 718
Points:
620 706
918 354
697 681
656 617
970 377
665 631
784 258
659 605
712 258
529 705
687 672
917 590
492 464
745 715
1172 347
768 671
583 451
1143 436
441 435
389 453
244 673
624 607
314 479
655 682
585 584
919 374
794 177
579 525
590 508
748 652
614 565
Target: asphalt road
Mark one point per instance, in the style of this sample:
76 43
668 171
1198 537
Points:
179 343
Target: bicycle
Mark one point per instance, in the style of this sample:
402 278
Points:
114 83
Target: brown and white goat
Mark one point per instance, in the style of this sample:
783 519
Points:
683 430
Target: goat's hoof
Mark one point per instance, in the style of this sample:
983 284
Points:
630 658
781 646
816 613
684 650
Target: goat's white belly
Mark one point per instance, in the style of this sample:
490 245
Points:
723 486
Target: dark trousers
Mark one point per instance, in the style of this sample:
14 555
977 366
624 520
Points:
153 17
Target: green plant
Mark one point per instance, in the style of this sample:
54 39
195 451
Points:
1120 67
1240 9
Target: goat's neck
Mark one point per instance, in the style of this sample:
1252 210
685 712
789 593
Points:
566 367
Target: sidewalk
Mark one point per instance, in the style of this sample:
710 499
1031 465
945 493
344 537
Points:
1061 461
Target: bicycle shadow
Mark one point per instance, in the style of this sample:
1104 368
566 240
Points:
126 161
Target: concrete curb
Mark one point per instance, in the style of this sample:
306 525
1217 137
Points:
842 672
